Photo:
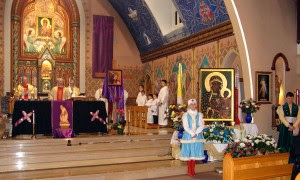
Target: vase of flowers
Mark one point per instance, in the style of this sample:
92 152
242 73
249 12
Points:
119 115
218 132
262 143
249 107
174 113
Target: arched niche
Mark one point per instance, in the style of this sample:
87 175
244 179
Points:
37 25
280 66
232 60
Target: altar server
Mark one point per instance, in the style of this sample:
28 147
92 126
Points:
149 113
163 99
192 140
141 99
154 109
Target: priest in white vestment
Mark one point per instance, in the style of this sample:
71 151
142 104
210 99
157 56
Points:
59 92
73 90
163 99
98 96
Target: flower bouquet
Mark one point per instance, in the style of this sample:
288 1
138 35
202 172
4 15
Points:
240 149
262 143
120 123
218 132
174 113
249 107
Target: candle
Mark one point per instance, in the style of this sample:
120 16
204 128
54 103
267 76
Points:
33 119
22 93
129 115
29 94
35 93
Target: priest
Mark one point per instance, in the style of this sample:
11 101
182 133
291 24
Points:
99 97
73 90
290 118
59 92
163 99
24 90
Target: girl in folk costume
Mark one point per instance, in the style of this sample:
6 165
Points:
149 105
192 140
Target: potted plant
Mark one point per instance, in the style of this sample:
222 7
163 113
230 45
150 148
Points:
218 132
240 149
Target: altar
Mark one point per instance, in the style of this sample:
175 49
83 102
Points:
82 120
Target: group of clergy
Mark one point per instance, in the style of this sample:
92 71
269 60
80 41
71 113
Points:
157 104
26 91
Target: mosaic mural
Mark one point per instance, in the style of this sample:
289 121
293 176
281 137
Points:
140 22
185 58
45 25
159 71
197 15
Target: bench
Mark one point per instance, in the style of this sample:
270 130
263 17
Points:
257 167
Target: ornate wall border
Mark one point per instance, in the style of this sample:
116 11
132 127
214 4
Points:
212 34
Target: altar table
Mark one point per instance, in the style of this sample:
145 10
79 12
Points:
81 117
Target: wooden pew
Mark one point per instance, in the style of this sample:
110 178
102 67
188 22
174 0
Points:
137 116
257 167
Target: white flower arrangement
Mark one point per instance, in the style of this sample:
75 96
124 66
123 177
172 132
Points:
218 132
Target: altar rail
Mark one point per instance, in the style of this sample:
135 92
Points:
257 167
137 116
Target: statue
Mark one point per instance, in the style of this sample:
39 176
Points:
64 122
277 89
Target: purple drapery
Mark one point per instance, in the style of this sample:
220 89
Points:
110 91
103 32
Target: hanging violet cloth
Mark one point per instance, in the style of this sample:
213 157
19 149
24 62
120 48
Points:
114 93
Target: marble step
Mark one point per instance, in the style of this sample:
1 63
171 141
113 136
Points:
22 151
80 156
138 170
143 173
90 140
77 163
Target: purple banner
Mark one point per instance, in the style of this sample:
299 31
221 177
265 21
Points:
103 33
62 118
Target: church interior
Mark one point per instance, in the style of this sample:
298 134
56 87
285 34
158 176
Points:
149 89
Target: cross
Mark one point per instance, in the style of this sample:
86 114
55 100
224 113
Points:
95 116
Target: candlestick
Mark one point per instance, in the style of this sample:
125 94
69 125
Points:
33 125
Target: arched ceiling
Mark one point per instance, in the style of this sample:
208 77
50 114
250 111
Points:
196 15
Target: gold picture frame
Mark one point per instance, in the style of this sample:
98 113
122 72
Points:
44 27
263 87
114 77
216 94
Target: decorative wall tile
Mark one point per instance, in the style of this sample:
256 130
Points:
227 45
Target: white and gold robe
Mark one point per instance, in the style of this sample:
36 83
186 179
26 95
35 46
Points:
20 88
52 96
74 92
163 98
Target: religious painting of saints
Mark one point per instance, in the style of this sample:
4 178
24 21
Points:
114 77
44 27
263 88
216 88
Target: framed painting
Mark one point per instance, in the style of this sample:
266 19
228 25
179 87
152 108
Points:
263 87
44 27
114 77
216 94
